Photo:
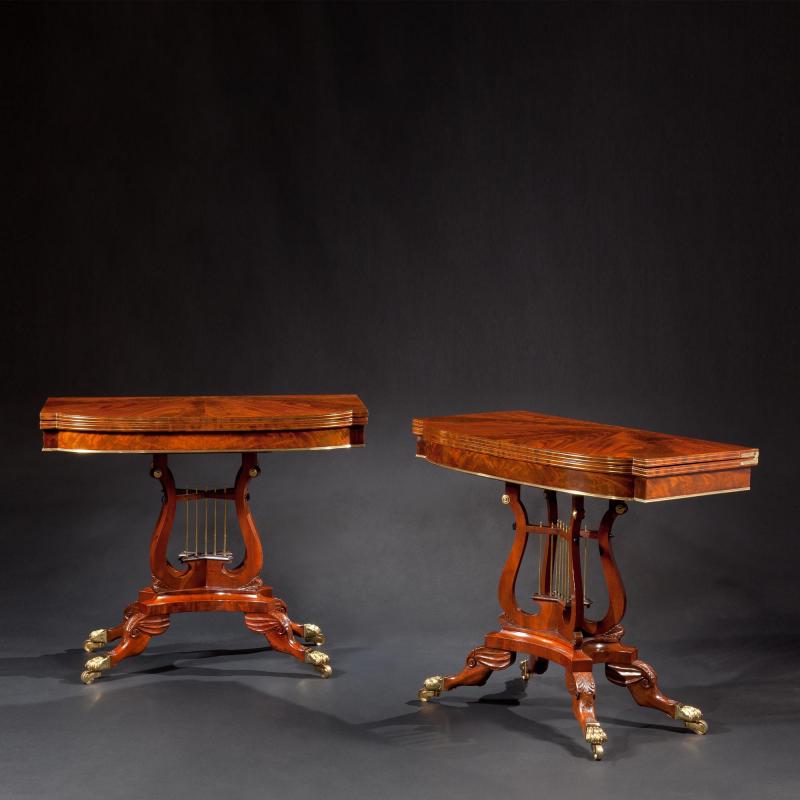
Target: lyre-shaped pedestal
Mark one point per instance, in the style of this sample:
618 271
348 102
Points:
205 582
560 631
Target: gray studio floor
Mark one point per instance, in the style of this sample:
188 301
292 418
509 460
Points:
193 717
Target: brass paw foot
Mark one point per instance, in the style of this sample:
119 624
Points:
692 718
525 670
97 640
320 662
596 737
312 634
95 668
431 687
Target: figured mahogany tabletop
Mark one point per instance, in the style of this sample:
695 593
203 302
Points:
202 424
583 457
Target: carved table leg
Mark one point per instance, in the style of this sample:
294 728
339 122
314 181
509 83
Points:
137 630
481 662
642 682
581 686
276 626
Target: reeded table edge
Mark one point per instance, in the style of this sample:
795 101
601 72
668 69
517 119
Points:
627 498
736 457
351 412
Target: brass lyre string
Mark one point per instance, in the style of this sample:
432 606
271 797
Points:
539 573
196 522
215 524
205 530
186 509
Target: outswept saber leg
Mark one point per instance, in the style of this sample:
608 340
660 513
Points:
276 626
480 664
640 679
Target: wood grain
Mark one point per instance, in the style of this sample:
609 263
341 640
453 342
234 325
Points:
585 457
202 424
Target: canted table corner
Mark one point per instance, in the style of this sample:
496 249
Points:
582 459
205 578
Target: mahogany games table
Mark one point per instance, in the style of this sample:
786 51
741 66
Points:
581 459
204 577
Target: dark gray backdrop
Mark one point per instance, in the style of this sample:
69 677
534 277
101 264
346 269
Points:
586 210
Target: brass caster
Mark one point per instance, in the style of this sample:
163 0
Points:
692 718
431 687
97 640
596 737
525 669
320 662
312 634
700 728
94 668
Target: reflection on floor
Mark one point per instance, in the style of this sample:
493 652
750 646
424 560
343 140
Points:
185 720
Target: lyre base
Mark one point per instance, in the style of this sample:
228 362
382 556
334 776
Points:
560 633
205 584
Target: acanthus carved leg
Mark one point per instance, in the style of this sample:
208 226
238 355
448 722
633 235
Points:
136 632
278 629
481 662
642 682
581 686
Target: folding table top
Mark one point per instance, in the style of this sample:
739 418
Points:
583 457
202 424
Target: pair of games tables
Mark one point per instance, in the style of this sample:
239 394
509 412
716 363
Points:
517 447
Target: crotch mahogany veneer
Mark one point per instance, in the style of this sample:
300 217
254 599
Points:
204 577
581 458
